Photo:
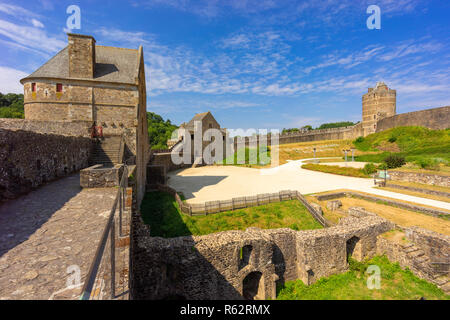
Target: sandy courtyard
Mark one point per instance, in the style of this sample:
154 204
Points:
225 182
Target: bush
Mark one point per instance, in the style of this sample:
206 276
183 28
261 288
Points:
359 139
432 164
369 168
382 166
394 161
392 139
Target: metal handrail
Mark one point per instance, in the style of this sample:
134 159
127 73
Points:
108 230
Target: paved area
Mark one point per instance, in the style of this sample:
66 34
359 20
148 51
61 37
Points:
225 182
46 235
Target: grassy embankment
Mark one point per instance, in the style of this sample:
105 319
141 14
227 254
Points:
343 171
396 284
427 149
162 213
424 150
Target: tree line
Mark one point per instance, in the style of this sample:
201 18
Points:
329 125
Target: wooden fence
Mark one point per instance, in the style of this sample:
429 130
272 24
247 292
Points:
211 207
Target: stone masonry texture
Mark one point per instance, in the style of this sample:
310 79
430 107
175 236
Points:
45 232
217 266
28 159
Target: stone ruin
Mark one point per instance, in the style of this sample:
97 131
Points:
246 264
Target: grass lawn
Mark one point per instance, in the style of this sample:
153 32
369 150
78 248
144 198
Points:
343 171
396 284
161 212
416 144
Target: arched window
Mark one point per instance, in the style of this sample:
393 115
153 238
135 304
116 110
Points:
244 256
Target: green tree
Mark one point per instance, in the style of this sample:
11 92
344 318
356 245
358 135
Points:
11 105
307 127
336 125
159 130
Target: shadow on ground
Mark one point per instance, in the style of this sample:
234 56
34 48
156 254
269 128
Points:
188 185
21 217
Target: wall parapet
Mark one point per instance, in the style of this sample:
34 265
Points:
98 176
29 159
63 128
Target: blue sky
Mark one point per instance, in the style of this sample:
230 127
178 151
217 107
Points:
252 63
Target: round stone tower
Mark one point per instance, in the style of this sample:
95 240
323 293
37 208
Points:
377 103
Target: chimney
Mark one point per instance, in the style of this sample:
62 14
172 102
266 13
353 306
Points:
81 56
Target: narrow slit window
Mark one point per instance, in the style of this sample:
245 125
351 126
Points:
59 87
33 87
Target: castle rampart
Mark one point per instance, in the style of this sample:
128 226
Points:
436 119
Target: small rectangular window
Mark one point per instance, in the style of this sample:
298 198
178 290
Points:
33 87
59 87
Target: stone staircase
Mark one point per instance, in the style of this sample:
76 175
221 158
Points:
422 262
107 152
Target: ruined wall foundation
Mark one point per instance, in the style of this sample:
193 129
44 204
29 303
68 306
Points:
245 264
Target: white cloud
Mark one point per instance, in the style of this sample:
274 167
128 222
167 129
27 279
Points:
9 80
16 11
37 23
31 37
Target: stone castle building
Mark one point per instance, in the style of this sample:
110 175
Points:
85 82
377 103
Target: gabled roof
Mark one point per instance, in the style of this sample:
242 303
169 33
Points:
112 65
197 117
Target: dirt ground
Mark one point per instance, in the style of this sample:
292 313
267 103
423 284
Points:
402 217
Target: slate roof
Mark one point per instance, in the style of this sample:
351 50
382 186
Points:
197 117
112 65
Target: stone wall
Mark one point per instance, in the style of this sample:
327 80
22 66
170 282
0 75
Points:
433 179
436 119
65 128
343 133
165 160
435 245
99 177
245 264
425 253
29 159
